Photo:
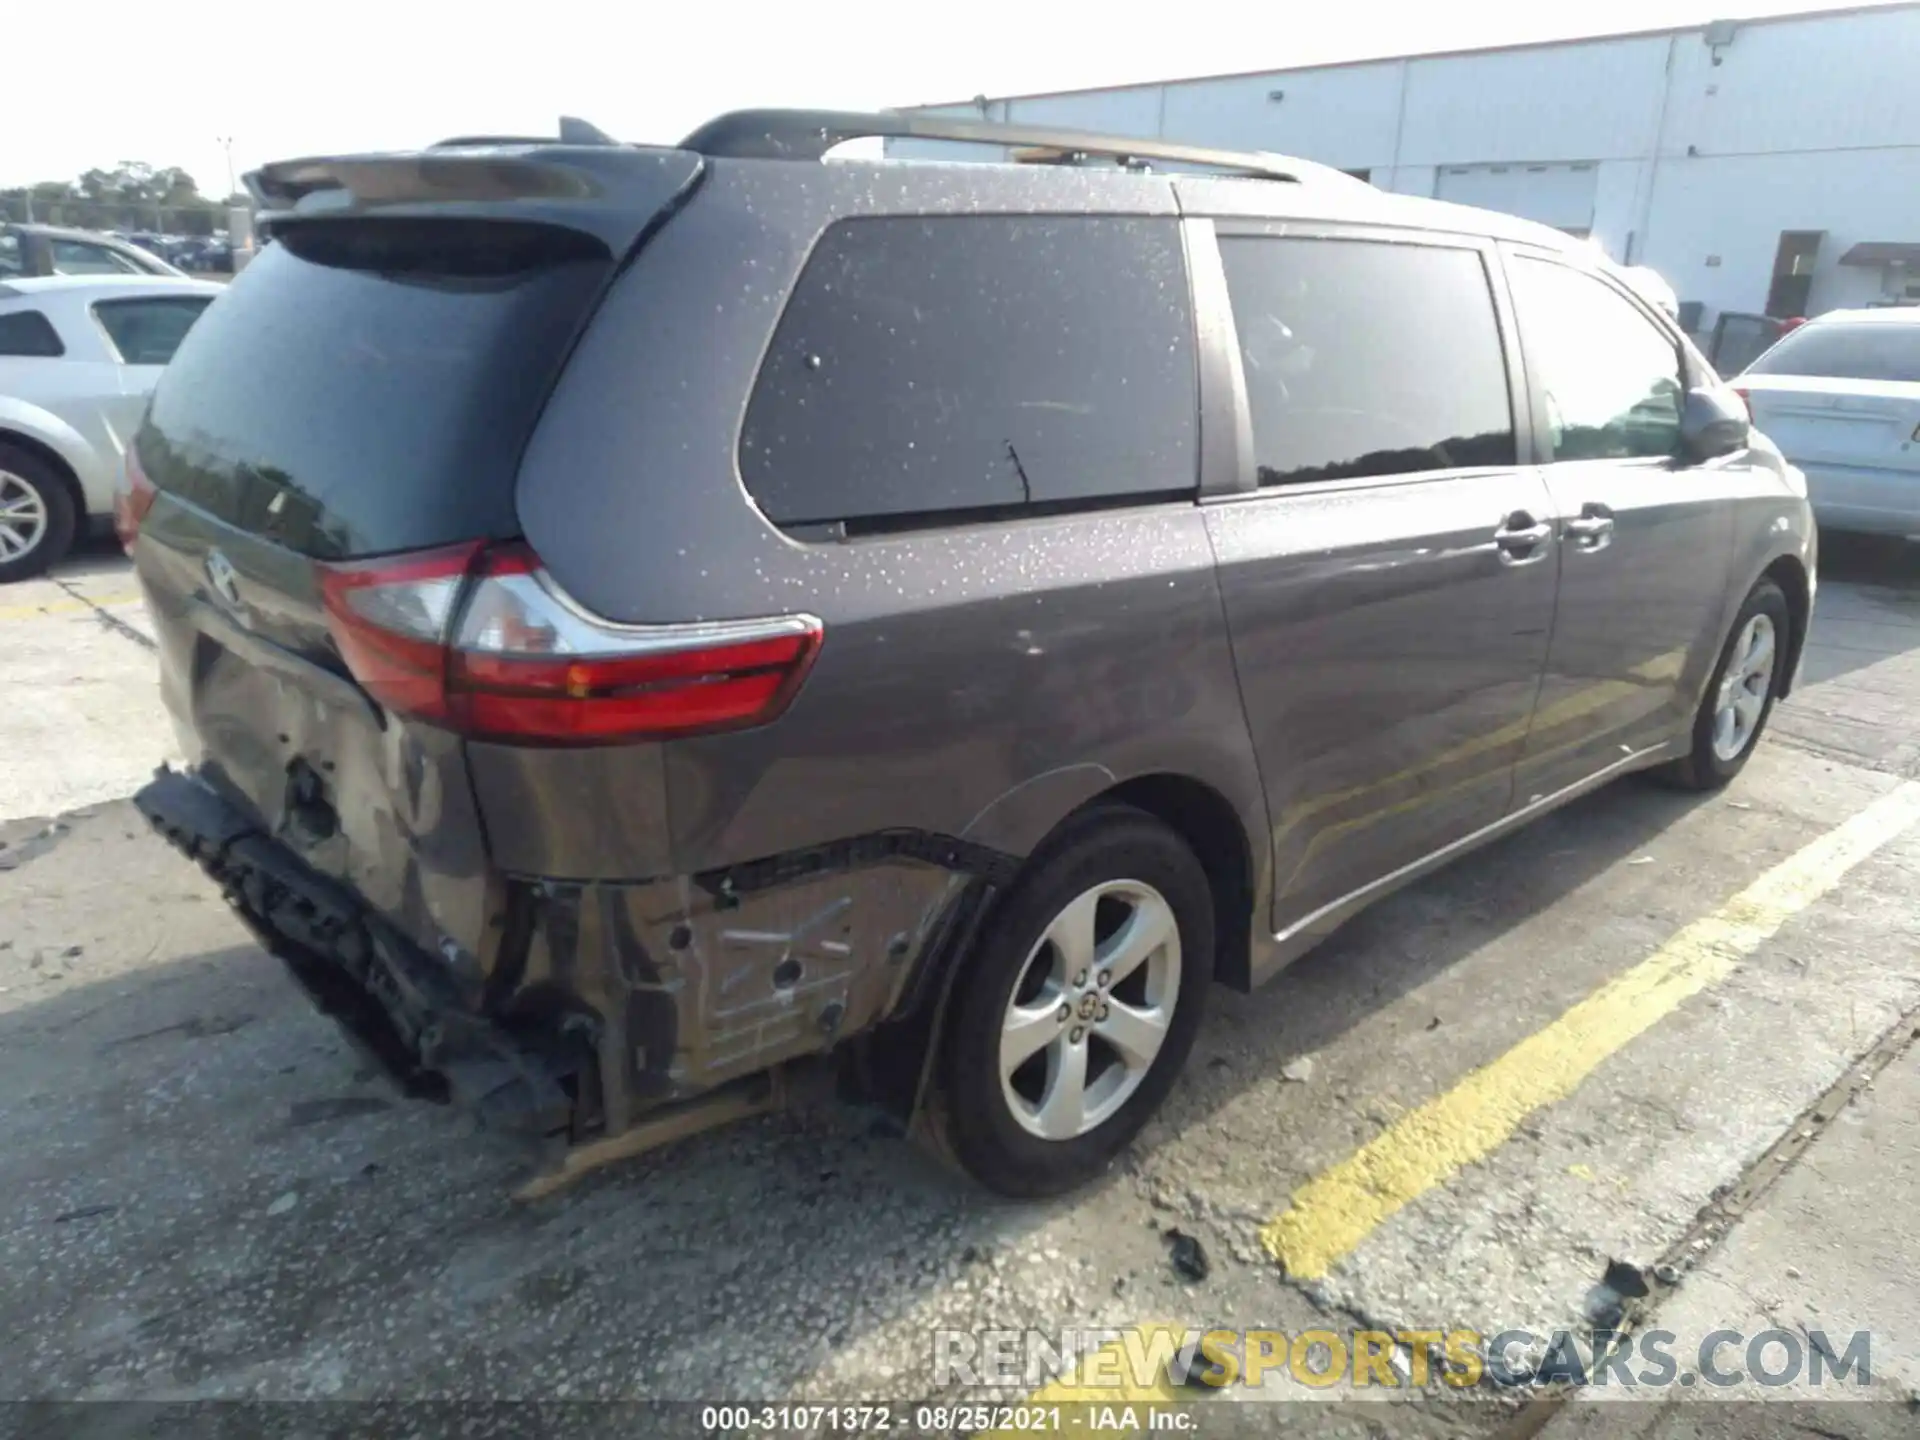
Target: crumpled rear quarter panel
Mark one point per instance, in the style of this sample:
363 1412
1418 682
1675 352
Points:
696 984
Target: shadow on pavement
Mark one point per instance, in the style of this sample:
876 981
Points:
1870 560
1868 608
93 555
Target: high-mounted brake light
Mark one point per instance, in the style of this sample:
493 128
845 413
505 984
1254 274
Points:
131 504
484 642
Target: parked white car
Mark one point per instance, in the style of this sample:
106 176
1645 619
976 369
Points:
1840 396
78 356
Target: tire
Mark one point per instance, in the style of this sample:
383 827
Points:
36 509
1715 758
1113 869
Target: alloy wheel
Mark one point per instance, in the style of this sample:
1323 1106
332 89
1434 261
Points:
1744 689
23 517
1090 1009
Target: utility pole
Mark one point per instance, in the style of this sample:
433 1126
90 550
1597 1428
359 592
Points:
226 143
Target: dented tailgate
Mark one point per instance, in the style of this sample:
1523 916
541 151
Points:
271 720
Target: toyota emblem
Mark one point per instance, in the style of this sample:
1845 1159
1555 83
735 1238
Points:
221 575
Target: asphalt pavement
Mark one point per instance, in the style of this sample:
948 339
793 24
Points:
1648 1064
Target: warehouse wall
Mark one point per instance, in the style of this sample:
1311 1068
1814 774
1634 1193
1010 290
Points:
1618 196
1696 166
1595 101
1836 82
1731 209
1344 116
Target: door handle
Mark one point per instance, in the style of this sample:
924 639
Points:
1592 528
1521 538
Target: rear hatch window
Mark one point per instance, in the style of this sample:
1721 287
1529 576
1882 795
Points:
365 387
1889 351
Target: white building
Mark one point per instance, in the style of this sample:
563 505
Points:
1762 166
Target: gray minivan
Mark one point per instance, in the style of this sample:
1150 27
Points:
643 616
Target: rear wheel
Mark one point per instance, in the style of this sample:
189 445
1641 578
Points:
1073 1018
36 515
1740 696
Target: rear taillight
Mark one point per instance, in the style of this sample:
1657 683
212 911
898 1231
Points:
484 642
390 619
130 506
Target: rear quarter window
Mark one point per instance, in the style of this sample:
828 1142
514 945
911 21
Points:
147 331
931 369
79 257
28 333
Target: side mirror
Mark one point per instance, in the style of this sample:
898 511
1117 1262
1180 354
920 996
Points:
1713 422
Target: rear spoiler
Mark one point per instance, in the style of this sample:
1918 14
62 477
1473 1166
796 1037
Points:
611 192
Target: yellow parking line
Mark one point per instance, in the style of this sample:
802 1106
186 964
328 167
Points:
1337 1209
66 605
1333 1212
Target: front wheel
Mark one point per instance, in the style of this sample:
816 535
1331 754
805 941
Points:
1071 1021
1740 696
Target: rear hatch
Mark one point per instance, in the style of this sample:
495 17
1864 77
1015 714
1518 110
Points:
328 463
1837 422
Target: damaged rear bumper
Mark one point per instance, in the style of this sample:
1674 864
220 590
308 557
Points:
392 999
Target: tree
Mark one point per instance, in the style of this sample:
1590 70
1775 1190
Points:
133 195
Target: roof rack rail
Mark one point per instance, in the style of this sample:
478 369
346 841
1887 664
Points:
809 134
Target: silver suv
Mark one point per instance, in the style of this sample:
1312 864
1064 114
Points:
645 616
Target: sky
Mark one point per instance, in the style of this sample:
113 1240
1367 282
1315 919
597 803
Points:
281 80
